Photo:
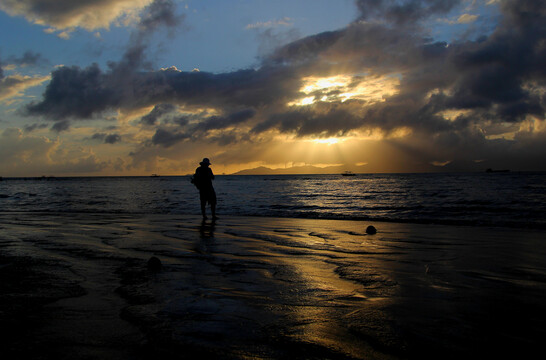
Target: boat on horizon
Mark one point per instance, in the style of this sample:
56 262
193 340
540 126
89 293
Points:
348 173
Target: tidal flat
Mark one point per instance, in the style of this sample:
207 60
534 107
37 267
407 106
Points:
78 286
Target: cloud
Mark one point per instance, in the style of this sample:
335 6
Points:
14 86
60 126
76 93
467 18
404 12
62 17
305 121
462 19
106 138
73 92
488 76
68 14
35 126
27 155
223 122
194 128
65 35
452 95
157 112
112 139
15 147
29 58
160 13
168 138
286 21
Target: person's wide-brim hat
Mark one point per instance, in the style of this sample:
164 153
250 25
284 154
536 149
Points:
205 161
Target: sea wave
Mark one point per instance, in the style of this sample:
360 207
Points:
515 200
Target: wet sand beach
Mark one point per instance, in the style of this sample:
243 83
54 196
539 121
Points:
78 286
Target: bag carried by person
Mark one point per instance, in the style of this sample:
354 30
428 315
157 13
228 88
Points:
195 182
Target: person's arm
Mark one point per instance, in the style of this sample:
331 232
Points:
211 175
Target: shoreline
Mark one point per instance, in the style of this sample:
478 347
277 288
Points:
267 287
418 222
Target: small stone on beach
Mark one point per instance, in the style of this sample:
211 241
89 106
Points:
370 230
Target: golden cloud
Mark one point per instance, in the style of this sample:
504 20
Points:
69 14
15 85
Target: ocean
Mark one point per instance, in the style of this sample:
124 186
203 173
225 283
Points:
512 199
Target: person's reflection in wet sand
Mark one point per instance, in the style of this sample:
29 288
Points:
206 230
206 234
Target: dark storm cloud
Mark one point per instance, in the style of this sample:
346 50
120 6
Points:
160 13
496 71
180 120
112 138
29 58
106 138
493 79
82 93
222 122
242 88
32 127
167 138
157 112
76 93
306 49
226 138
402 12
98 136
307 121
61 126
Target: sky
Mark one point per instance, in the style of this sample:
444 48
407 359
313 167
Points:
135 87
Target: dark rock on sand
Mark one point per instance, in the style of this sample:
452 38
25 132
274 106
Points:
154 264
370 230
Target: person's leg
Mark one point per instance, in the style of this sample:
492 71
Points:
213 204
203 200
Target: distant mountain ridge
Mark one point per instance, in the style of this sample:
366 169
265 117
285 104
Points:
301 170
455 166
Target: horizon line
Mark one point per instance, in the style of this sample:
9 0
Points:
46 177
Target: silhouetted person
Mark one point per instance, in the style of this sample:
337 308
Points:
202 179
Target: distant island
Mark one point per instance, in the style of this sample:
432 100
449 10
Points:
378 167
301 170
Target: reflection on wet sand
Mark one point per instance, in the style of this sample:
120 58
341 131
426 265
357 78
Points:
269 288
206 229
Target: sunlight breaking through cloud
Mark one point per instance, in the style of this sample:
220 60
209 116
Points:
395 86
367 88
